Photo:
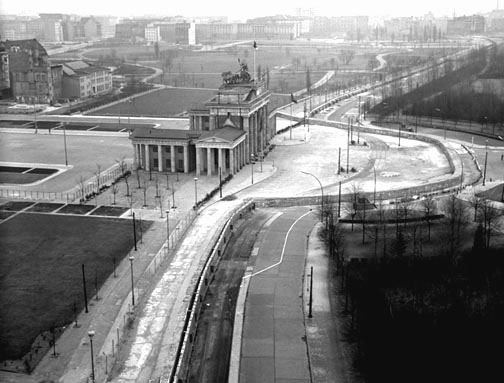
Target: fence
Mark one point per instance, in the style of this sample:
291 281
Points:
124 321
85 189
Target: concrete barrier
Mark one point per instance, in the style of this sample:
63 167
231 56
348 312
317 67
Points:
181 366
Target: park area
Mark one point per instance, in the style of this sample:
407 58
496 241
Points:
41 271
162 103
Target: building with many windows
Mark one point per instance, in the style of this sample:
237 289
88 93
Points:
82 80
466 25
223 134
32 78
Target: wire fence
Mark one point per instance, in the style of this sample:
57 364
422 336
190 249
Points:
85 189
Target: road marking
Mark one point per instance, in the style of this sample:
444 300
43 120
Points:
283 248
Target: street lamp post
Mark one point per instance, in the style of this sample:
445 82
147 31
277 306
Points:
195 191
91 334
64 142
131 259
321 193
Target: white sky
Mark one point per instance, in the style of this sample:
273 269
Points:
236 9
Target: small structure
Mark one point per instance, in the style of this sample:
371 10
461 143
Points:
223 133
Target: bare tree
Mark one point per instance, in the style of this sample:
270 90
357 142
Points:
346 56
123 167
97 174
352 207
490 218
81 182
457 215
114 190
429 206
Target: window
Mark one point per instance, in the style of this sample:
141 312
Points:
180 149
155 161
167 149
154 149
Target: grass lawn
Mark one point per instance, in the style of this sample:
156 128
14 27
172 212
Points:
163 103
41 275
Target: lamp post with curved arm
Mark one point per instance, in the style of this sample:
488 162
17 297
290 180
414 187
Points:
321 192
91 334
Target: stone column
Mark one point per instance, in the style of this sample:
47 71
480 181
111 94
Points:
172 158
135 154
198 161
232 161
186 159
247 139
160 158
221 164
147 158
209 161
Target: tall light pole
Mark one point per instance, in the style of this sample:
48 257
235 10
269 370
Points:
131 259
348 147
321 193
91 334
195 191
64 143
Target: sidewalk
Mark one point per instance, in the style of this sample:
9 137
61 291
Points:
108 316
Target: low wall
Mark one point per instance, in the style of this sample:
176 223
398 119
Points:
181 366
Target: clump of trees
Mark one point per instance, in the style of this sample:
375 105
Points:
412 314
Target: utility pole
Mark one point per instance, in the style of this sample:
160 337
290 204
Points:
339 160
310 302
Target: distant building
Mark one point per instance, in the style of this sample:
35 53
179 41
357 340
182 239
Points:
350 27
223 134
466 25
495 21
91 28
32 78
52 24
4 70
82 80
152 33
131 30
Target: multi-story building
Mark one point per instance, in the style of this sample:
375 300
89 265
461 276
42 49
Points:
91 28
466 25
52 26
152 33
82 80
32 78
131 30
108 24
351 27
4 71
238 31
495 21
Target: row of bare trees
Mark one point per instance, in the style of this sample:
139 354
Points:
406 227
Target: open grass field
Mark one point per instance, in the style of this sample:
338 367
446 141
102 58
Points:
163 103
41 271
198 68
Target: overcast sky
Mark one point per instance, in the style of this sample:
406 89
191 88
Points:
236 9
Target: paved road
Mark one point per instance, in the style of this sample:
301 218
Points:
274 345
